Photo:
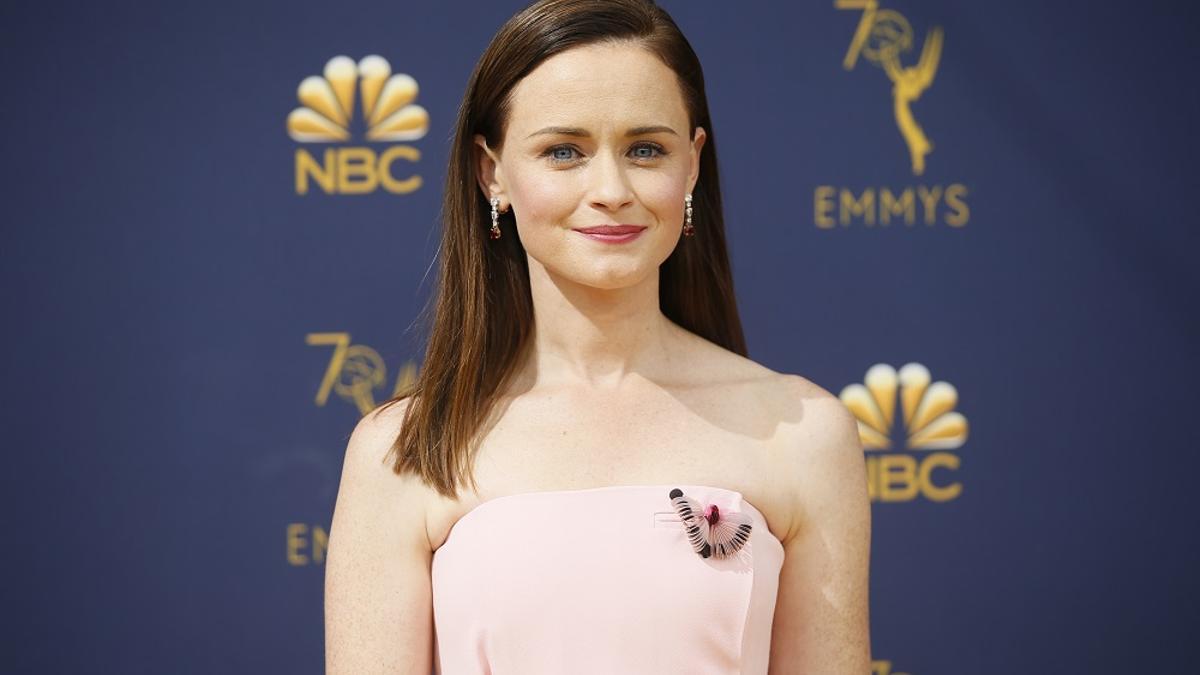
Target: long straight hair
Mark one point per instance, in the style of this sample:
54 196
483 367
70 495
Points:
482 306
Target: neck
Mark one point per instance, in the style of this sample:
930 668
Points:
598 338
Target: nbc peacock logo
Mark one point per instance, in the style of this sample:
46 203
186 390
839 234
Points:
389 115
929 428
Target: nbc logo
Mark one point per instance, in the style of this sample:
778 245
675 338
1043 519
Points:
929 423
327 116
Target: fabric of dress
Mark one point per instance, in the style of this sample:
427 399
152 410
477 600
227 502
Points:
601 581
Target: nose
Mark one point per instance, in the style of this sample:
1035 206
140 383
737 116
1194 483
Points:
609 189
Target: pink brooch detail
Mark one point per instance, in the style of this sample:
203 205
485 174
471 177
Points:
711 531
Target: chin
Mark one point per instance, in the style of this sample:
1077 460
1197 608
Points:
613 280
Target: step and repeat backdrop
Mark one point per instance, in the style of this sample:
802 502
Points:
971 221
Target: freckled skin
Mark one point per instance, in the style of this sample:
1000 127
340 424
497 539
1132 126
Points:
557 182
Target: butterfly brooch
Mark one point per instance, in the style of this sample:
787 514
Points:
711 531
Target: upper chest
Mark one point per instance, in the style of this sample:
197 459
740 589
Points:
728 437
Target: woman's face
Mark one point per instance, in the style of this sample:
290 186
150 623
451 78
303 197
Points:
597 135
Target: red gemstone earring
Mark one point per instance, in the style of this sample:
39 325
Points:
711 532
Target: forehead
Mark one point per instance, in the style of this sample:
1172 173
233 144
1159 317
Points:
597 87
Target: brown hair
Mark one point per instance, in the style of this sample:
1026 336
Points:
483 311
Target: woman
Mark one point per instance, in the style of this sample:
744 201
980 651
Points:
588 475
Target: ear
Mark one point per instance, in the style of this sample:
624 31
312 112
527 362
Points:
698 138
488 171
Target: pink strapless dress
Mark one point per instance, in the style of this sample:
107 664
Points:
601 581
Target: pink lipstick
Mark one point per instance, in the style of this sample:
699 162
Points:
612 234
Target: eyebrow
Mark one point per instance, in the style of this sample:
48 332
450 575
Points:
576 131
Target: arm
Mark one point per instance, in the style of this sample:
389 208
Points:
378 598
821 615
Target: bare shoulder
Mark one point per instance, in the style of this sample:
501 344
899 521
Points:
367 468
819 456
820 411
378 428
791 398
814 462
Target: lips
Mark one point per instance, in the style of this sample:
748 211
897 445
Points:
612 229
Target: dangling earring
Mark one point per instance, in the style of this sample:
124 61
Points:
495 218
688 230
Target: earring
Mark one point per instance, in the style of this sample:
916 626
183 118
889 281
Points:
495 234
688 229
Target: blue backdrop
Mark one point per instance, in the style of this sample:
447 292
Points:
990 199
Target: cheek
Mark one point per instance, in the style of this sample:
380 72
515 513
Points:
663 195
660 193
544 198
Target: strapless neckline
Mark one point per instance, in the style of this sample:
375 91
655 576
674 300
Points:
571 581
496 502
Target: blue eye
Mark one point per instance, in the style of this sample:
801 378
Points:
557 158
565 154
653 147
